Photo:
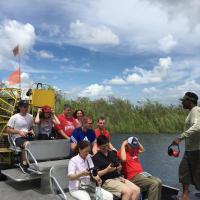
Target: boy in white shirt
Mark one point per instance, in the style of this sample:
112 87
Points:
20 127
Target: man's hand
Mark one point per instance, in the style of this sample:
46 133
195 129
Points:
110 168
177 141
85 173
39 110
22 133
31 132
119 168
123 180
97 179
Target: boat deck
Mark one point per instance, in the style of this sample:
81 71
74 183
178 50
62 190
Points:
10 190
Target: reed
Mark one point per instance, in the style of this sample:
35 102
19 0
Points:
124 117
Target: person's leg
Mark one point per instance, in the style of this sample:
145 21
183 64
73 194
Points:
106 195
80 194
150 184
134 188
185 177
185 194
194 167
155 188
24 161
118 188
22 143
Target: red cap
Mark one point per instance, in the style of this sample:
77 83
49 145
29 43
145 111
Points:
46 109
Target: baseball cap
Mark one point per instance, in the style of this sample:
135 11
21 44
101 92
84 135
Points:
23 103
133 141
46 109
189 96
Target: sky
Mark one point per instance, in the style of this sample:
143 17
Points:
129 49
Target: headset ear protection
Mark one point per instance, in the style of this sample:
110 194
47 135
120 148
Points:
174 150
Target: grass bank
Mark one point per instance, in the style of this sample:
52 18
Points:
124 117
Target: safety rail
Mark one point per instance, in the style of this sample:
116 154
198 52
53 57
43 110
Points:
9 98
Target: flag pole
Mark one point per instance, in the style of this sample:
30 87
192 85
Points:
19 63
16 52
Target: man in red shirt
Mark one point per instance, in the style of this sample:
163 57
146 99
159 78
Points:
133 171
101 130
67 123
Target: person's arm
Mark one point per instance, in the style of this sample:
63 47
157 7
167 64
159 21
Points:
141 148
75 176
73 146
55 120
37 119
74 140
123 151
94 148
78 175
61 132
106 170
94 143
112 147
195 128
10 130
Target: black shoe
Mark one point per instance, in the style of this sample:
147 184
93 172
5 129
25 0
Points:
24 168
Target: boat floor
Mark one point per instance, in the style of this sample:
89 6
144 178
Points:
10 190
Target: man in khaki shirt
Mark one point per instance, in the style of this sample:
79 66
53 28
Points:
189 169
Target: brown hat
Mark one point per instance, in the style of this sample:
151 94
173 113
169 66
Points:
189 96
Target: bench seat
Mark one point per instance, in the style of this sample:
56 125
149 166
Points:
45 166
17 175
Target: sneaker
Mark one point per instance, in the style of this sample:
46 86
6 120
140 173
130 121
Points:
24 168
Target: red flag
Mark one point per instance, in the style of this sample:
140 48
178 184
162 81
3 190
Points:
14 78
16 50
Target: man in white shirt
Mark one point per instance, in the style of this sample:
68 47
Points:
20 127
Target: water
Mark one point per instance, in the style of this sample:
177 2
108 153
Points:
155 159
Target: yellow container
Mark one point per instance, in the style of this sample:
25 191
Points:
42 97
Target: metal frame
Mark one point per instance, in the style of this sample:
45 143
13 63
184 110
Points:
13 145
34 164
55 186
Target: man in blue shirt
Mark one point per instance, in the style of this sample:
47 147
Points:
85 132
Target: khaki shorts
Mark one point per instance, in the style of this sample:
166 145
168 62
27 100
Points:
116 186
189 169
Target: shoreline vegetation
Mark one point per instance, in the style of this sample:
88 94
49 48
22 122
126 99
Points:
124 117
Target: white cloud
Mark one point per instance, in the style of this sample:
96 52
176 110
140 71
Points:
150 90
45 54
190 85
167 43
143 76
13 33
25 76
64 60
96 90
92 35
138 75
171 95
117 81
51 29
